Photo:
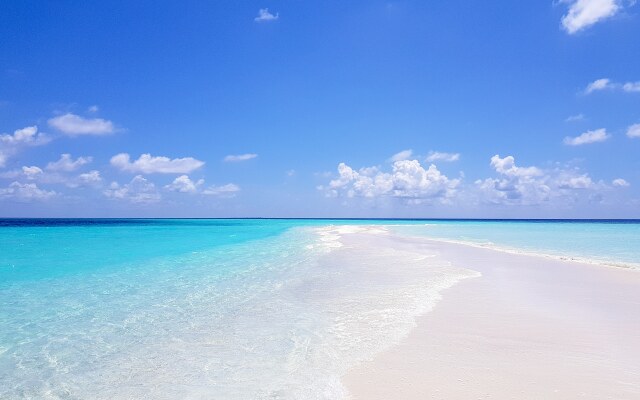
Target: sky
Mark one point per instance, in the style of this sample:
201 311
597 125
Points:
411 109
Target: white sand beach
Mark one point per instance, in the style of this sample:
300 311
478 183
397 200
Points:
527 328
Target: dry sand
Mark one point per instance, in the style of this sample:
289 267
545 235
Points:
528 328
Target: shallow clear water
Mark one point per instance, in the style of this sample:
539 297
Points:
607 242
226 308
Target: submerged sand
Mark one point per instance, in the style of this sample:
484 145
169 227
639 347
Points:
527 328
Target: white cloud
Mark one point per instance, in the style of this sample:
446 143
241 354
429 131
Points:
93 109
584 13
402 155
290 172
25 191
516 185
575 118
507 166
239 157
228 190
147 164
575 182
599 84
445 157
11 144
532 185
265 16
184 184
619 182
634 131
408 180
595 136
139 190
75 125
607 84
28 136
67 163
91 177
631 87
31 172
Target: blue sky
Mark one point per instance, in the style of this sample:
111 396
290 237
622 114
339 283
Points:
320 109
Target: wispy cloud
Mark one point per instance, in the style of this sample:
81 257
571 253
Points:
75 125
25 191
584 13
265 16
148 164
634 131
401 155
631 86
595 136
67 163
607 84
239 157
138 190
228 190
599 84
435 156
619 182
575 118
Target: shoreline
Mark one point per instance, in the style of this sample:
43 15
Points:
530 326
532 253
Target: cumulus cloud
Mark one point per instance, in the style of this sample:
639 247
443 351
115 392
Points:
239 157
584 13
265 16
25 191
184 184
595 136
75 125
634 131
139 191
619 182
147 164
91 177
408 180
10 144
575 182
228 190
67 163
28 136
517 185
507 166
93 109
445 157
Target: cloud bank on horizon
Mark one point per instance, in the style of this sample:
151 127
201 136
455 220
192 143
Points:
363 111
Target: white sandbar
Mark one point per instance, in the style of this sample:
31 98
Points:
527 328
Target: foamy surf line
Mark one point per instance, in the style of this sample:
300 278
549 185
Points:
385 287
527 252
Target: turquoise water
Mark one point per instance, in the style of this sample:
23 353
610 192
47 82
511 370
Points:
233 309
605 242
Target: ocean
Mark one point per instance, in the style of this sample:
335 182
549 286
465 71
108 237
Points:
232 308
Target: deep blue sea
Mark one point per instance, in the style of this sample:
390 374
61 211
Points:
227 308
